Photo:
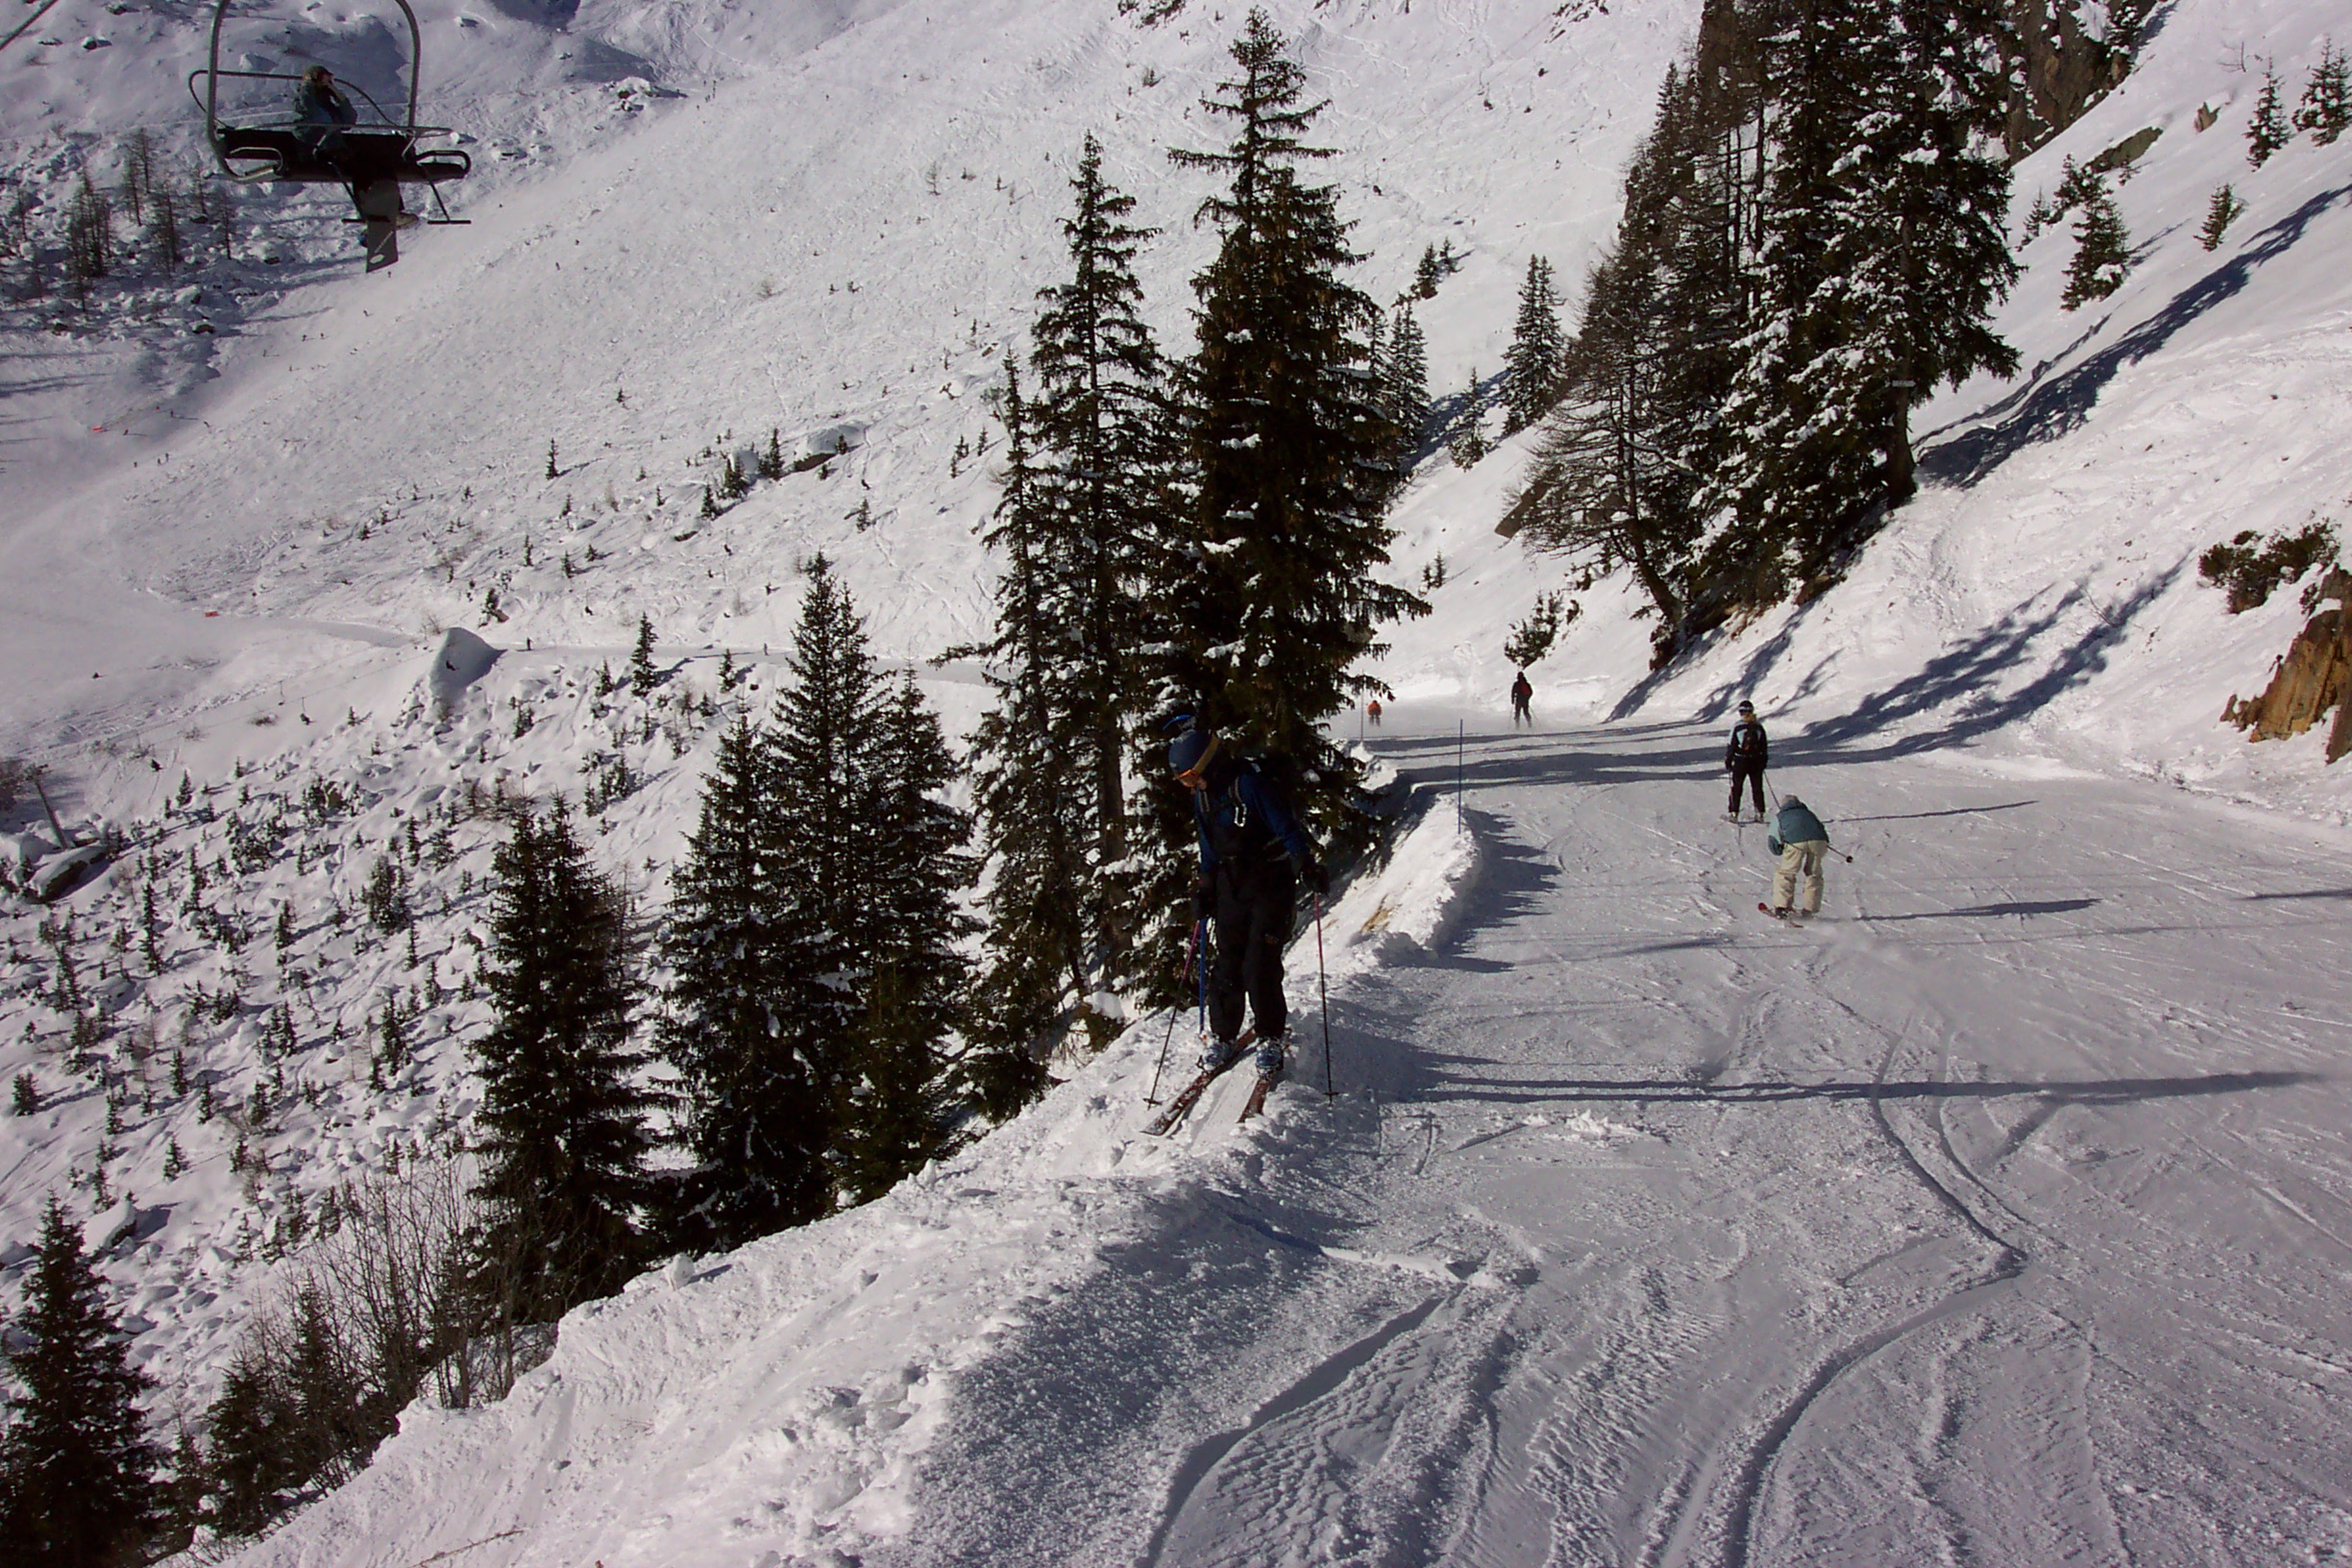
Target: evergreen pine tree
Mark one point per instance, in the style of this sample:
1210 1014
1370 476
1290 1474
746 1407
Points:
2267 131
1277 604
752 1115
1103 453
895 1114
251 1472
1405 386
1531 365
641 657
1426 274
2219 214
2326 108
870 866
563 1115
77 1469
1885 250
1030 801
1083 526
2102 251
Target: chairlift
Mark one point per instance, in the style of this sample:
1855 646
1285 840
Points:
371 158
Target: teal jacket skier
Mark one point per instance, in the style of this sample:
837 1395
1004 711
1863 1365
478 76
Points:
1803 844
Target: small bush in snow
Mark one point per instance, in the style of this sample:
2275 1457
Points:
2249 569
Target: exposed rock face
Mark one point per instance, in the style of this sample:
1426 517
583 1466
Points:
2310 679
2065 71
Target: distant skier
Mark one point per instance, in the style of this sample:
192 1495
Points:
1372 711
1803 844
1745 759
1252 859
1522 696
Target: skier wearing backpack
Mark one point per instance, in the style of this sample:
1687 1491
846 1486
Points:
1523 697
1746 758
1253 858
1803 844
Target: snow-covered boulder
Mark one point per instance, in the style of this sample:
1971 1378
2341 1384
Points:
461 660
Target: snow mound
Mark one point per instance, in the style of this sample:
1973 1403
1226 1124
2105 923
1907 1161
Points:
461 660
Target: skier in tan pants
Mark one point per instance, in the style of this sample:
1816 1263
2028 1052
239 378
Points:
1803 844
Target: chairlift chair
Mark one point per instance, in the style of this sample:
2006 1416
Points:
371 160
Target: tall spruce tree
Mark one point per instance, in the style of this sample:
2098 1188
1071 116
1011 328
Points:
1102 442
1030 801
77 1468
1404 388
1531 365
564 1113
872 865
895 1113
1100 422
1885 251
2266 130
828 730
2103 248
753 1116
1276 607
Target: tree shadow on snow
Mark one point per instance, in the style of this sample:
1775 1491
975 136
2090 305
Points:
1505 762
1986 912
2088 1091
2045 409
1965 679
1948 811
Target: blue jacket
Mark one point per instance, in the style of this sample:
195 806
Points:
1795 825
1245 813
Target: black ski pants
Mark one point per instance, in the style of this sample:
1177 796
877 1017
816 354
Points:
1256 905
1754 773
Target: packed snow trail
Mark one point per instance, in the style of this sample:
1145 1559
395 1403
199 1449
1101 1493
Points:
1999 1217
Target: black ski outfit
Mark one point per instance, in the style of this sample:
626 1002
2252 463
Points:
1746 759
1253 857
1523 695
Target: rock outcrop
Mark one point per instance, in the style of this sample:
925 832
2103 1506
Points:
2310 679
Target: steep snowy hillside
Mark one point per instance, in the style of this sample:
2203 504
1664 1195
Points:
2043 586
1633 1235
233 567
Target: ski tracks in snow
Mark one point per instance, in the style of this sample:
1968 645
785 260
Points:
1668 1238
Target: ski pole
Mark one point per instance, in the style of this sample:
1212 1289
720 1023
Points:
1323 989
1174 1013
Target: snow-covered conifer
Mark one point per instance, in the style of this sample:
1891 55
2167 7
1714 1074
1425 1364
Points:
563 1117
1532 364
77 1469
1278 604
2326 108
2102 251
2267 129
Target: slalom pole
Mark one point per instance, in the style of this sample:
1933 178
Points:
1174 1013
1323 989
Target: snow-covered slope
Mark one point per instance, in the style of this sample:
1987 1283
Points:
230 555
2044 584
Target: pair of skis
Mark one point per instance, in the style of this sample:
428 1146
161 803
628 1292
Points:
1181 1107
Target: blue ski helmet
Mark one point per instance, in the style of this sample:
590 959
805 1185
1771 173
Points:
1190 749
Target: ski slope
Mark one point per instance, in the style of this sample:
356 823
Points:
2002 1214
